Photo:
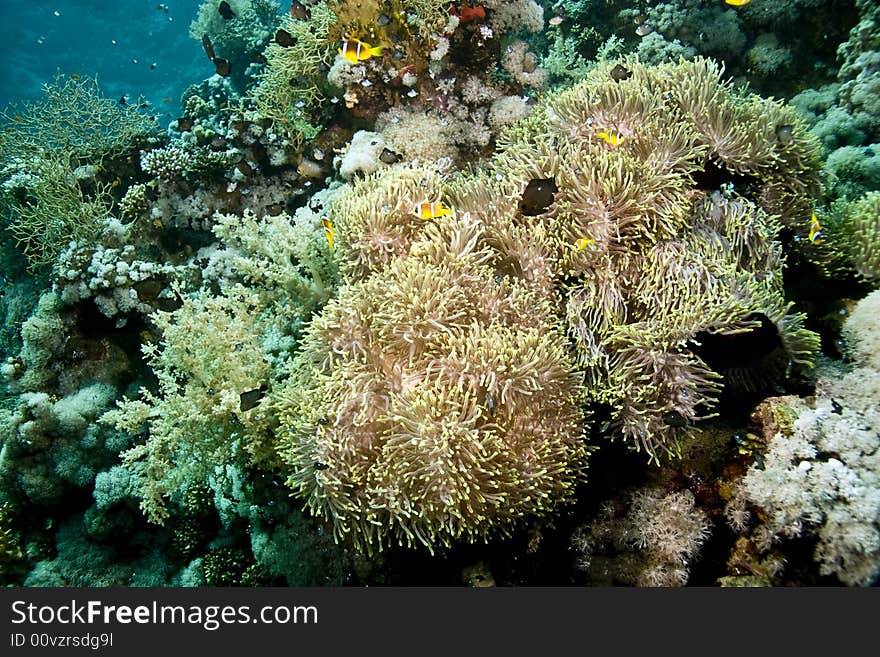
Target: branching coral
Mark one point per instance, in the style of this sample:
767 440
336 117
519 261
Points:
208 408
287 256
293 80
45 200
46 207
74 118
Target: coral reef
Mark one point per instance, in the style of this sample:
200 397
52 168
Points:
644 215
819 475
370 309
53 188
208 395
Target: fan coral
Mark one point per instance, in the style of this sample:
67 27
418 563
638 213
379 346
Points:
433 400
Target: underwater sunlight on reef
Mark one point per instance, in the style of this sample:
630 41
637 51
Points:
414 292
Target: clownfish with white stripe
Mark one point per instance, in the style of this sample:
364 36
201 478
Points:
611 137
431 210
815 230
355 50
328 230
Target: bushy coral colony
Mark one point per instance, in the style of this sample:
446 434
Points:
552 292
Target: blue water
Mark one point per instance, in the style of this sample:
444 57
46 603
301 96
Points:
117 42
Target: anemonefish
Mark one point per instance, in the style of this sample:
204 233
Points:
737 3
328 230
431 210
355 50
583 243
612 137
815 230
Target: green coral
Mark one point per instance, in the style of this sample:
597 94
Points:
74 118
46 208
287 258
209 365
852 171
294 80
47 199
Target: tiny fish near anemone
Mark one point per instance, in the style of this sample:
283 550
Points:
537 196
815 230
328 230
620 72
737 3
355 50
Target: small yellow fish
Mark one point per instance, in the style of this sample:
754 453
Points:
612 137
328 230
737 3
355 50
583 243
815 230
431 210
116 183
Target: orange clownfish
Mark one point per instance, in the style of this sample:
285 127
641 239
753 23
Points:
611 137
355 50
815 230
431 210
328 230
